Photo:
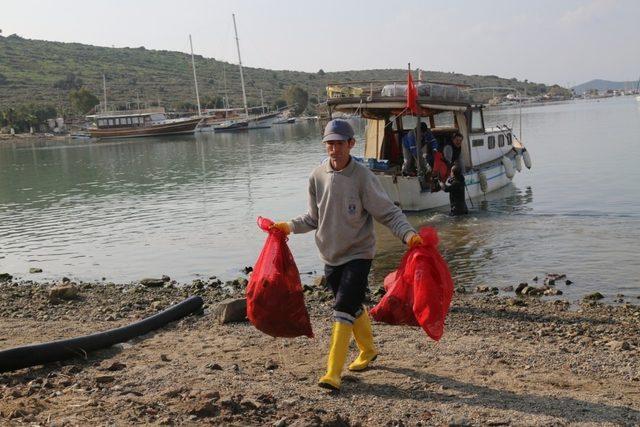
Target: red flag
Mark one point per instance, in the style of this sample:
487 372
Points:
412 95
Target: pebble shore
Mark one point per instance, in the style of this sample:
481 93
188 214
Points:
504 360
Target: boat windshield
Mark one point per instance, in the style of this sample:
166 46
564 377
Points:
445 119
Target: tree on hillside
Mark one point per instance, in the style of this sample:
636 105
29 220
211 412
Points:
296 97
3 79
321 72
280 103
9 117
557 91
212 102
71 81
42 112
312 107
26 116
82 100
185 106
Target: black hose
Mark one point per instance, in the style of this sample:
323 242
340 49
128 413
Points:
38 354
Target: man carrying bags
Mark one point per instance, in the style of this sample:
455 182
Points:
344 198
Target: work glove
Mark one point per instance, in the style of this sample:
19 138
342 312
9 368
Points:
414 240
282 226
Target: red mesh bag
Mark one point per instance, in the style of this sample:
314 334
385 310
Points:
440 169
419 292
275 303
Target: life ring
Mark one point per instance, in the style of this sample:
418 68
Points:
508 167
527 158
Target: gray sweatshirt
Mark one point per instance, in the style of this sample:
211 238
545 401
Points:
342 205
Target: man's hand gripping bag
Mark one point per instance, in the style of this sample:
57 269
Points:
275 302
419 292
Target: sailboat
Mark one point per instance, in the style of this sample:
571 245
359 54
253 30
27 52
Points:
260 121
142 122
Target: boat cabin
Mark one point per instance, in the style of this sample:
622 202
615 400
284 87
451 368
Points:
128 119
446 109
395 135
139 123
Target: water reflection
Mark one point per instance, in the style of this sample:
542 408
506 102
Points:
122 209
471 244
508 199
186 206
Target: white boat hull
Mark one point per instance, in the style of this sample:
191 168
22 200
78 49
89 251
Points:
405 192
260 122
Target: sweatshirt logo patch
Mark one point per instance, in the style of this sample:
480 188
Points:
351 209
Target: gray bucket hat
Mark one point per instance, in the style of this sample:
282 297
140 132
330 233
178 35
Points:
337 130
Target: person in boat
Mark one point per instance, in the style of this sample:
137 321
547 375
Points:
429 141
410 150
344 199
452 152
455 187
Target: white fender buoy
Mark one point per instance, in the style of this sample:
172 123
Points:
508 167
519 162
484 185
527 158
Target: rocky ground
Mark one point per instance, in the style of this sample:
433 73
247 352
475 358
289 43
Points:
26 136
503 360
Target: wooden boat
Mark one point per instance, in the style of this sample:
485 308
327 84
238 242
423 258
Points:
139 123
490 156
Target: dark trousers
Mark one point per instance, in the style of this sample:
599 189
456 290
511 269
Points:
349 283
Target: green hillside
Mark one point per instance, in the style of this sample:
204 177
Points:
44 72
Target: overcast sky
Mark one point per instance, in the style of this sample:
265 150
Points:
549 41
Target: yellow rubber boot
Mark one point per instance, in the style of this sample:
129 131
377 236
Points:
340 338
364 338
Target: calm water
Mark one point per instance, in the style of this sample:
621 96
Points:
187 206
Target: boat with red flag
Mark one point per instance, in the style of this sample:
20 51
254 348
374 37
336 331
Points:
431 115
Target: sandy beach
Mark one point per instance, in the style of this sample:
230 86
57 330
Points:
502 361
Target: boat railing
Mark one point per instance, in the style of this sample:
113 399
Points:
371 88
150 110
390 88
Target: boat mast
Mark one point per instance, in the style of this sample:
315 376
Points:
261 101
195 80
225 100
244 94
418 134
104 92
